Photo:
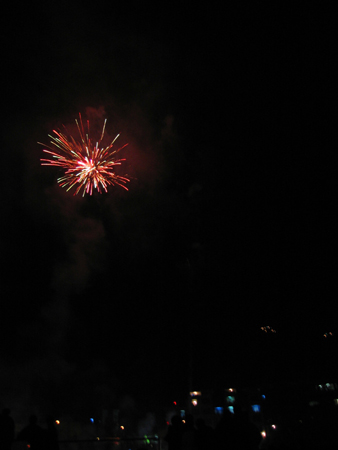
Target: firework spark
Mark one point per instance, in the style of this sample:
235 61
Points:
86 165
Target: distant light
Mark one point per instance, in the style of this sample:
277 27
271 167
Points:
182 412
265 329
328 334
122 427
231 409
57 422
233 390
263 433
92 420
194 402
97 438
195 393
263 396
219 410
273 426
313 403
175 403
256 408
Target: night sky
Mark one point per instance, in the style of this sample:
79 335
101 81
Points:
229 224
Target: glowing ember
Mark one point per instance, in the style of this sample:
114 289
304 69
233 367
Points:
86 165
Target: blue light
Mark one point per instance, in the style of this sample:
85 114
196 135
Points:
256 408
92 420
219 410
231 409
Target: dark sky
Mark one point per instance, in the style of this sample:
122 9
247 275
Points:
230 220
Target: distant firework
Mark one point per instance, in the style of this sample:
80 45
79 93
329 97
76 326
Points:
266 329
87 166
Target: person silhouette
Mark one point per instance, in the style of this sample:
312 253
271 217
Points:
7 427
51 437
204 436
224 436
246 433
189 432
33 434
174 434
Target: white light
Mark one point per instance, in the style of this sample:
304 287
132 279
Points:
263 433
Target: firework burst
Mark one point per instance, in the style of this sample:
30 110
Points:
87 166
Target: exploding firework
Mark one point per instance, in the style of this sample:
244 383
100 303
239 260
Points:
87 166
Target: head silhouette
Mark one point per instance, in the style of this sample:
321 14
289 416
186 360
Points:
33 420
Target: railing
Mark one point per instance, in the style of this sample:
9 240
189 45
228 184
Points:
145 443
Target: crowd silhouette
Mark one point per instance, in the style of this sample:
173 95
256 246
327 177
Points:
237 432
36 437
233 432
7 429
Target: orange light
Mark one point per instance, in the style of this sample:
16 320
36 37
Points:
195 393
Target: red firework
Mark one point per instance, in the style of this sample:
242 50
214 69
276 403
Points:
86 165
